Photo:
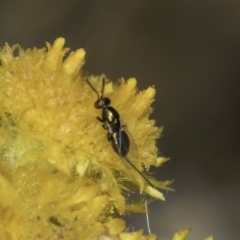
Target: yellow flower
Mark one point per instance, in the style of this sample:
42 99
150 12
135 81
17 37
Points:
59 175
183 234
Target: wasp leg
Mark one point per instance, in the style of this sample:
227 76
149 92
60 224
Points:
99 119
109 137
122 127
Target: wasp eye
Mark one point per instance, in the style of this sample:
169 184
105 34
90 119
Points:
98 104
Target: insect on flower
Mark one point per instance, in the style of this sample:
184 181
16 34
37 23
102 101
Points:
112 123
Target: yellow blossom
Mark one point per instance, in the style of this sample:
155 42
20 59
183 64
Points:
59 175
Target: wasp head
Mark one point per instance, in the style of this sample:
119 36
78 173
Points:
102 102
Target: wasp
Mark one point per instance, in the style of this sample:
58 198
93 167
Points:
111 122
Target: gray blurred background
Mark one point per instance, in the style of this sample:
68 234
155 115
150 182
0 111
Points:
190 50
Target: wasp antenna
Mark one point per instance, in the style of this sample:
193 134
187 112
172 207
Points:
91 86
103 87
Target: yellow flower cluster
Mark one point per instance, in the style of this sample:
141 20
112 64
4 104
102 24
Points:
59 176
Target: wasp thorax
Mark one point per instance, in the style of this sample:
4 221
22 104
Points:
102 102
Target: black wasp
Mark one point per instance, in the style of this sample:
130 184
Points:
111 122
